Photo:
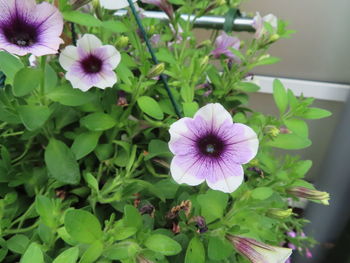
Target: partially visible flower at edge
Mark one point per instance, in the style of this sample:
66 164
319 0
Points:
210 147
258 24
90 64
162 4
30 28
223 44
310 194
115 4
258 252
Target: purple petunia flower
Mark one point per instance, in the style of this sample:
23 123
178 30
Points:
211 148
90 64
26 27
223 44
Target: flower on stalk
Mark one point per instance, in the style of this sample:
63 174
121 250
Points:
224 45
115 4
258 24
90 64
313 195
211 148
30 28
162 4
258 252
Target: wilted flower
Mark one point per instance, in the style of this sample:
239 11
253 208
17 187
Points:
27 27
258 252
310 194
258 24
114 4
223 45
162 4
272 130
90 64
211 148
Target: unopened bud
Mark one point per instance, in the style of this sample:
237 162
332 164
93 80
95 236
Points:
204 61
156 70
279 213
264 57
274 37
205 43
220 2
272 130
313 195
122 42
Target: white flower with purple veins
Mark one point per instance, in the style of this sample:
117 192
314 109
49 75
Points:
258 252
258 24
211 148
224 45
114 4
90 64
30 28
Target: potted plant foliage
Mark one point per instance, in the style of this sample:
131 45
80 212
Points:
125 139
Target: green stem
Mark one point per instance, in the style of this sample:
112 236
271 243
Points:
21 230
42 85
163 77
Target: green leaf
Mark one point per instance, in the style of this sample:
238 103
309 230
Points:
45 209
267 61
91 181
68 96
315 113
45 233
289 142
163 244
299 127
262 193
280 96
81 18
132 217
302 167
195 251
61 163
18 243
98 121
115 26
92 253
247 87
26 80
213 204
68 256
190 108
82 226
85 143
124 232
33 254
219 249
151 107
122 250
157 148
51 79
9 65
33 117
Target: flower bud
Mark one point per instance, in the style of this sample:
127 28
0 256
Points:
204 61
258 252
279 213
220 2
274 37
122 42
313 195
272 130
156 70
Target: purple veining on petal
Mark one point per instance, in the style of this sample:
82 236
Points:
27 27
211 147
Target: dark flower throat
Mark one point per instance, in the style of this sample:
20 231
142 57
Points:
211 145
91 64
20 32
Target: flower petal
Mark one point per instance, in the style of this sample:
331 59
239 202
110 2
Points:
114 4
188 169
107 79
111 56
180 137
275 254
89 42
214 114
68 57
225 176
242 145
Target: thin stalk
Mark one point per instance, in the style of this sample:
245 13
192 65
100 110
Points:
163 77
